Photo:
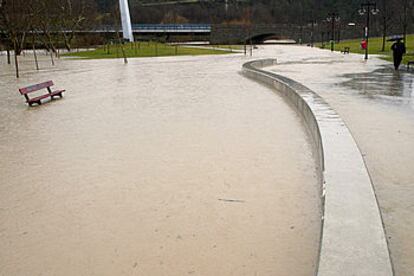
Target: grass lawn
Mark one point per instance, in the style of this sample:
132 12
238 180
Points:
144 49
230 47
375 45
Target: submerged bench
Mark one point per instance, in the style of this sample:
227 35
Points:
346 50
25 91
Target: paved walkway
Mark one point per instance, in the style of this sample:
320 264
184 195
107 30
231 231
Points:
165 166
377 104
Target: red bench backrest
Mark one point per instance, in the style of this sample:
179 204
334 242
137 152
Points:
35 87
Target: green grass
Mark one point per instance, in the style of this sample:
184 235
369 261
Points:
230 47
144 49
375 46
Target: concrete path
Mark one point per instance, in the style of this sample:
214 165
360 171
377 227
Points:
164 166
377 104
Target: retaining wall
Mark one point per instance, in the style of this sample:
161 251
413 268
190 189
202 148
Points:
353 240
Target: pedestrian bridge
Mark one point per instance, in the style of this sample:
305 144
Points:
160 28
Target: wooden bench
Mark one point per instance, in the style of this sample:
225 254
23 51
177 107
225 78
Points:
346 50
25 91
409 64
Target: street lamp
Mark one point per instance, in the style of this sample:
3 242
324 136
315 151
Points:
333 17
313 23
368 8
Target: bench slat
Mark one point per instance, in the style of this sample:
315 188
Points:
35 87
36 99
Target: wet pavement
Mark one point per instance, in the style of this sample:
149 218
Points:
377 104
164 166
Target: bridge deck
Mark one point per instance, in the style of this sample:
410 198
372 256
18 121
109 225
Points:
160 28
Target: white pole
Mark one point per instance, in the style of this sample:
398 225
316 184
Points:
126 20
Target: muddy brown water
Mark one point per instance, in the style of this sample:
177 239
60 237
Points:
164 166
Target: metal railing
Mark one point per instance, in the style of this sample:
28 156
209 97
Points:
172 27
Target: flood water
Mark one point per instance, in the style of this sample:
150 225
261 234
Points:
377 104
164 166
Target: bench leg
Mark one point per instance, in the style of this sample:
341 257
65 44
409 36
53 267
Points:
57 95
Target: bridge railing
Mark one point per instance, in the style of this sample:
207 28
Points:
161 27
169 27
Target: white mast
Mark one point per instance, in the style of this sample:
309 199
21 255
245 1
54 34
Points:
126 20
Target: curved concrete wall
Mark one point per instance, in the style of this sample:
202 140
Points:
353 240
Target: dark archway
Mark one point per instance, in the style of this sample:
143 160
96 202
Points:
262 38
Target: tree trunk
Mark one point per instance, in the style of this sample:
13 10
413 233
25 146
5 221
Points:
17 49
8 56
384 12
68 41
51 46
34 52
51 56
122 48
71 37
22 40
384 33
405 18
16 61
67 45
123 54
44 43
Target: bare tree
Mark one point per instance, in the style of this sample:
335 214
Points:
15 19
71 17
47 23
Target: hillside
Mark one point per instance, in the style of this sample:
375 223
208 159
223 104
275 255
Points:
261 11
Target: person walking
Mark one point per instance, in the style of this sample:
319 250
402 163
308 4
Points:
398 49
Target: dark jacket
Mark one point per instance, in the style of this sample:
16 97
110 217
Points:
398 48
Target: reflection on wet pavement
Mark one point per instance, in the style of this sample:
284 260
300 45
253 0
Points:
383 82
164 166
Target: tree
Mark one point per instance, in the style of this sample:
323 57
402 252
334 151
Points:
71 17
15 20
386 18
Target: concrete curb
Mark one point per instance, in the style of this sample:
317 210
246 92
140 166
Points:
353 240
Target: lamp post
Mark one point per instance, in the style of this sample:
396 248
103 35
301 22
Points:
333 17
312 34
368 8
